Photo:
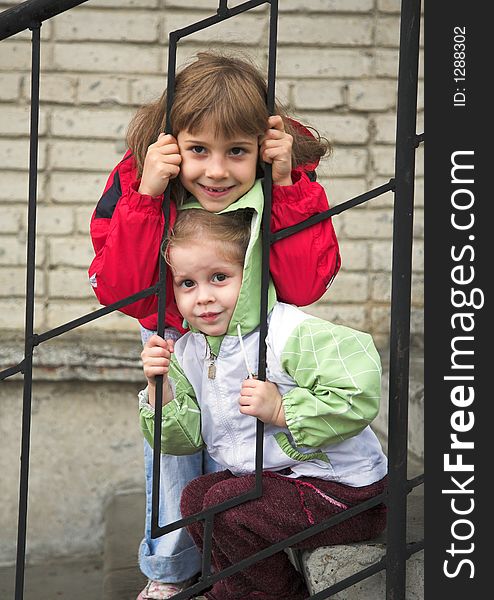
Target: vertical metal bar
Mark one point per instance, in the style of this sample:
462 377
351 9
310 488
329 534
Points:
401 299
172 53
29 320
223 7
266 238
155 499
207 546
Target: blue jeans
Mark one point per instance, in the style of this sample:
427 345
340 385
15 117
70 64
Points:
172 557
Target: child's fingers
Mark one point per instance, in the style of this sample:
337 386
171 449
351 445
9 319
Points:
276 122
164 139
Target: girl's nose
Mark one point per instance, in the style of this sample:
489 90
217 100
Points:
216 168
205 295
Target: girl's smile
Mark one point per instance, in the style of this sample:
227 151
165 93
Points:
217 170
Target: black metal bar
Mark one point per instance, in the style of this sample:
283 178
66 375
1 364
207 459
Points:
267 186
218 18
155 526
12 370
223 7
92 316
401 299
20 17
207 547
336 210
29 321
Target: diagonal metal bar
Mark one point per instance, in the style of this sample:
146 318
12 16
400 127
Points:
29 321
20 17
336 210
19 368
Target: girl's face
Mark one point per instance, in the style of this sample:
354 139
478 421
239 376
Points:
206 285
216 170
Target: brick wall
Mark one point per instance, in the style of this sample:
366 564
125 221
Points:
337 67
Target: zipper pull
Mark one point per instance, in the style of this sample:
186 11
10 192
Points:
212 369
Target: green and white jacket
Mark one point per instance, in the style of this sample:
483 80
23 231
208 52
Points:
329 376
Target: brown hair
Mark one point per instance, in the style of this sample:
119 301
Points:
225 92
231 230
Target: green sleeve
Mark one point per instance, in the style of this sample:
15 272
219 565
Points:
181 418
338 374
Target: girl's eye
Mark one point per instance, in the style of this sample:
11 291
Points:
198 149
237 151
187 283
218 277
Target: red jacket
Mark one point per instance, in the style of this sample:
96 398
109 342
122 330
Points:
127 228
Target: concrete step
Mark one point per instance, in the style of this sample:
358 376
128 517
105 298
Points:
75 579
124 530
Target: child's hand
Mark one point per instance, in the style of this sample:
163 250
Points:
161 164
156 356
262 399
276 148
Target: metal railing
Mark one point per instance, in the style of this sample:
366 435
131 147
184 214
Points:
30 15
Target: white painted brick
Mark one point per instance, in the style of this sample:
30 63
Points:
389 6
71 252
348 162
372 94
13 250
77 187
125 3
55 220
342 189
67 282
381 256
340 129
388 32
55 88
103 89
15 120
10 86
11 219
384 160
386 63
16 56
327 6
325 31
380 284
380 319
323 62
112 58
351 315
418 289
14 186
348 287
418 223
354 256
59 313
247 29
368 223
318 94
417 321
83 219
14 154
69 155
110 25
13 282
385 128
147 89
12 314
90 123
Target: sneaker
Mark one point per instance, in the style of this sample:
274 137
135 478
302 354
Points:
159 590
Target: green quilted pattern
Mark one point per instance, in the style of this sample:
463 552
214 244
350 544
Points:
338 371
